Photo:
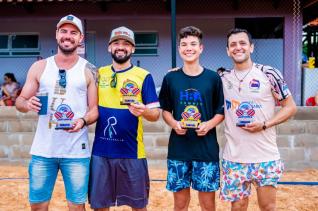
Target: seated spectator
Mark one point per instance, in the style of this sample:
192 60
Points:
9 89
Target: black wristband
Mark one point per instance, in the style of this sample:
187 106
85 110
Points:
85 123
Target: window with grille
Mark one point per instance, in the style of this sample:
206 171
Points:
146 44
19 45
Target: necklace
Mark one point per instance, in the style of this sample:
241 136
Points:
242 79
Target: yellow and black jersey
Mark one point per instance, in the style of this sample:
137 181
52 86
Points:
119 134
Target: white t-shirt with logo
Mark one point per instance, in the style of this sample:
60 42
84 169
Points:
250 96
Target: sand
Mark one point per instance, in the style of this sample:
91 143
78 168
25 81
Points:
14 193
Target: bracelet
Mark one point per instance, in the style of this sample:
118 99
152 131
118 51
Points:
85 123
264 126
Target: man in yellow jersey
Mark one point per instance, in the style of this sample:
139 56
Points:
119 172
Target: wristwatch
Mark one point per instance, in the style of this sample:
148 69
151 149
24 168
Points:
264 126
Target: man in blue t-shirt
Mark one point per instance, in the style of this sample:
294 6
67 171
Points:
192 102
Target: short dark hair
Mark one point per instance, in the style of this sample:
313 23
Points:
236 31
11 76
190 31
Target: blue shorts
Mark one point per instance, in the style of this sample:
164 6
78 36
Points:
238 177
116 182
43 172
204 176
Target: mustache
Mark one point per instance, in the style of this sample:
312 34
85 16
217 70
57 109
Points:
116 51
67 39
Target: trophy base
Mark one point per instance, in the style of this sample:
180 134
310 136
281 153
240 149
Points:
190 124
64 125
125 103
242 124
128 99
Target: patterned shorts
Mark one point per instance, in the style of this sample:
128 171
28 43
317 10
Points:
204 176
238 177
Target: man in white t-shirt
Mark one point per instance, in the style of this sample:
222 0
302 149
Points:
251 155
61 138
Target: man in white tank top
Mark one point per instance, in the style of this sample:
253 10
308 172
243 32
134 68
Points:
61 138
250 155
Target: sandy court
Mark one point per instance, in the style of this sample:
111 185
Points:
14 193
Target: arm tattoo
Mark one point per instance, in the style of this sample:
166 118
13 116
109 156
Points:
93 70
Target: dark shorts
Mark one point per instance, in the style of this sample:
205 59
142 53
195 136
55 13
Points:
116 182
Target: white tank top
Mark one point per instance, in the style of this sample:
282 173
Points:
49 142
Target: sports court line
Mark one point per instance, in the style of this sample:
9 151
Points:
280 183
163 180
13 178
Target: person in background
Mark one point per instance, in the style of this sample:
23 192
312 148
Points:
9 89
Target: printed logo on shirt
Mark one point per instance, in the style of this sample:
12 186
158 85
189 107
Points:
104 81
229 85
190 97
235 104
110 130
254 85
285 87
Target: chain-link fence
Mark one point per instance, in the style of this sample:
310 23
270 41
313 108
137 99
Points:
309 86
270 22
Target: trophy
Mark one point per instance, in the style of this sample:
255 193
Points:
245 114
190 117
129 92
64 117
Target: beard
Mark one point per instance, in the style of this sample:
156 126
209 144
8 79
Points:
66 51
121 59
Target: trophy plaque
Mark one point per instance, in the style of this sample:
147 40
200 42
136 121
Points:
245 114
190 117
64 117
129 93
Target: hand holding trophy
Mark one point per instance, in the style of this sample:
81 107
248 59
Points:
137 109
178 129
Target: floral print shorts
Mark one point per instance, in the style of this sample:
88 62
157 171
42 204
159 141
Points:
238 177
